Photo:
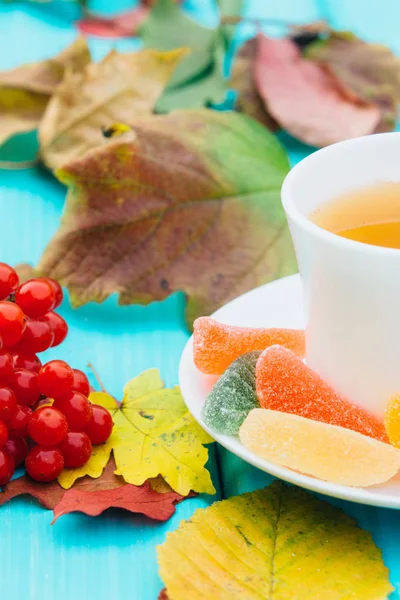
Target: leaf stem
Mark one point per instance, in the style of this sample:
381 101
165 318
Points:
234 20
19 165
97 377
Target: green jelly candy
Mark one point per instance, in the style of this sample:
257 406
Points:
233 396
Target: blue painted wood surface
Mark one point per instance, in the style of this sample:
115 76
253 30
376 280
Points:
114 556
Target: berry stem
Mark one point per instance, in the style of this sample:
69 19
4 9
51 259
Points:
97 377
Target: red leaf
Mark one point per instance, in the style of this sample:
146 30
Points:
48 494
94 496
123 25
306 98
163 595
136 499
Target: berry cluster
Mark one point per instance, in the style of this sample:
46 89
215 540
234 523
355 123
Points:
47 436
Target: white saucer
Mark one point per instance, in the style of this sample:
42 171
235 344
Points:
278 304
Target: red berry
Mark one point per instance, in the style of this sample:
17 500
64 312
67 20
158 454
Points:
44 464
8 404
76 449
48 427
59 327
7 467
3 434
17 448
37 337
12 323
18 425
55 378
58 293
22 360
35 297
6 366
8 280
77 409
81 382
26 387
100 425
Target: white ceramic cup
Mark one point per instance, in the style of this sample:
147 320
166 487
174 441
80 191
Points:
351 290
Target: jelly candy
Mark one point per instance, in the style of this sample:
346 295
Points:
216 346
285 383
392 420
233 396
325 451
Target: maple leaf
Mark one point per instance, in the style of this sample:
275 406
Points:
249 101
154 434
279 542
163 595
120 87
94 496
371 71
191 204
198 81
124 24
307 99
26 90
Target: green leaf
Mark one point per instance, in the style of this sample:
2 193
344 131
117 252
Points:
229 10
191 203
198 80
279 543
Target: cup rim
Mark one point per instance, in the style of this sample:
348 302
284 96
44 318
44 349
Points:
303 222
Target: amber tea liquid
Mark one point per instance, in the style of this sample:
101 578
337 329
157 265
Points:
370 215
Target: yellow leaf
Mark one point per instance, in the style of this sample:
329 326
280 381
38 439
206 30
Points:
120 88
94 467
154 434
26 90
279 543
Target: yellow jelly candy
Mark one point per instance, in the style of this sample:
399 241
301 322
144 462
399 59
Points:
392 420
319 449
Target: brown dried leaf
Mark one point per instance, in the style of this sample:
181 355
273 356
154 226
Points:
26 90
25 272
371 71
122 87
243 81
306 98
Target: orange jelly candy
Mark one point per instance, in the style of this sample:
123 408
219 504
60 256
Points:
216 346
392 420
325 451
286 384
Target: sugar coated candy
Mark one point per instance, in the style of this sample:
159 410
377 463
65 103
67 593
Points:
233 396
392 420
216 346
325 451
285 383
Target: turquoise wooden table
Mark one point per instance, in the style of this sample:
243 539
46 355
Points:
114 556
